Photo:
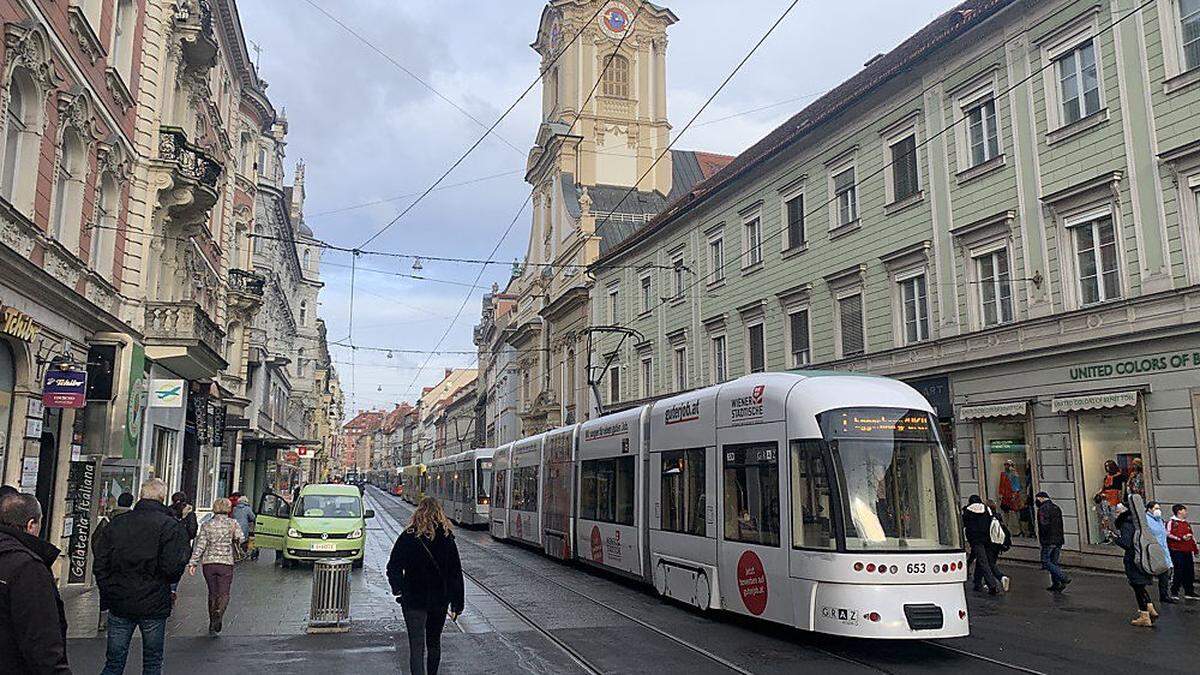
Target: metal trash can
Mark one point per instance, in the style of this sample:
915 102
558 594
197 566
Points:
329 611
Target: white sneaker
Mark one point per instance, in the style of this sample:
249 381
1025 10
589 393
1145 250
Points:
1004 581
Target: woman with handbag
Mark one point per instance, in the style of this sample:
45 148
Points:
426 577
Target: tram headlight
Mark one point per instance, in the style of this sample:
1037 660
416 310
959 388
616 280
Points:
293 533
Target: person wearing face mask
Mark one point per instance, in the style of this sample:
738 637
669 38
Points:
1158 527
1182 542
33 626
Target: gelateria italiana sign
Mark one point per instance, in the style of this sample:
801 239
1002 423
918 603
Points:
1137 365
17 324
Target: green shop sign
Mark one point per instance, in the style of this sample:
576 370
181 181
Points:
1137 365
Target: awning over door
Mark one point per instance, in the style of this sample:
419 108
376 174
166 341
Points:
985 411
1115 399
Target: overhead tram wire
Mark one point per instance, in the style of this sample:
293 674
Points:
463 157
890 162
358 36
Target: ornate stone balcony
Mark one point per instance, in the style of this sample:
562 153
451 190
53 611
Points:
194 174
246 289
181 336
194 21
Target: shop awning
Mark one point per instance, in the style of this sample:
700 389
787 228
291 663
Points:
985 411
1114 399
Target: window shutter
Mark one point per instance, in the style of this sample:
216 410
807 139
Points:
852 325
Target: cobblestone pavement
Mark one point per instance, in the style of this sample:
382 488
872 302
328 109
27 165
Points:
1085 630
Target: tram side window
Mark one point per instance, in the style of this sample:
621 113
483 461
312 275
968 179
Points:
752 493
498 498
812 511
606 487
683 497
525 489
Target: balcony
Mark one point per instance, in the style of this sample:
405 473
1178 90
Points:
194 21
194 175
246 290
182 337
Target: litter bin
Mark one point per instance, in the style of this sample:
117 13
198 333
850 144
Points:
329 611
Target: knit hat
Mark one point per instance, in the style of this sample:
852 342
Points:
1042 495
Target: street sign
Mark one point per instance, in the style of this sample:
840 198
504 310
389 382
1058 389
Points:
64 388
166 393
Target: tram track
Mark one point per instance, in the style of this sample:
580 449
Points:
590 667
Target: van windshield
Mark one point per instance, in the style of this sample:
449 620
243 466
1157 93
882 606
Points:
329 506
897 492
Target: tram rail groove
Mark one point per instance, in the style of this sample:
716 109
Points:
700 650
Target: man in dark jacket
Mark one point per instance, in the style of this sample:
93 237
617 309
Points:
977 522
138 557
33 627
1050 534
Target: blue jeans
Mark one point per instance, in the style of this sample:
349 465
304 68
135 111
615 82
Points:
1050 556
120 632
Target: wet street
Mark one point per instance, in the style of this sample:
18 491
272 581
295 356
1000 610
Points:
526 613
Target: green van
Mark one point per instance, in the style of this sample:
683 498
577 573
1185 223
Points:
327 521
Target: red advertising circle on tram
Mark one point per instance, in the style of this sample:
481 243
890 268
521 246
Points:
597 545
752 582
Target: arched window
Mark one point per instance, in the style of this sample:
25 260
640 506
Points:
68 191
616 77
303 312
307 260
104 229
21 136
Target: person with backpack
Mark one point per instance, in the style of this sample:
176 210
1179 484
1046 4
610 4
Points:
977 522
1182 544
426 577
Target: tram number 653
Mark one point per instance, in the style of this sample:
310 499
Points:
916 568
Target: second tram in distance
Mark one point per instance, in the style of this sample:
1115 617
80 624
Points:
823 501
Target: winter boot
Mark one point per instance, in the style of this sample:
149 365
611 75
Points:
1151 611
1143 619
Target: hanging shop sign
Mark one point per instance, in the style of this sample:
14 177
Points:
1116 399
81 487
64 386
1137 365
17 324
166 393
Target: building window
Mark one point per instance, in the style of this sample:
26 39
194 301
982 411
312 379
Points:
850 323
1078 83
303 313
68 191
103 230
995 287
681 369
751 496
677 270
21 141
845 196
646 379
753 243
798 338
982 135
793 210
719 363
123 26
716 260
755 350
616 77
614 298
1189 29
904 168
1096 254
614 383
683 490
647 294
915 303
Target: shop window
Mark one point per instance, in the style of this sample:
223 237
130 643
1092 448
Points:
751 503
1009 474
812 511
1110 445
607 490
162 449
683 491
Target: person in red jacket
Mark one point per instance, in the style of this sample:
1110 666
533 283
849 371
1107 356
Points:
1182 543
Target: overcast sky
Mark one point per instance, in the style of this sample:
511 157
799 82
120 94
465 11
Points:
368 132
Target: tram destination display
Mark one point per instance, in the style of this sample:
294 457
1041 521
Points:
877 423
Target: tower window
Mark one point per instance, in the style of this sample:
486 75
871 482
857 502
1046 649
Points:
616 77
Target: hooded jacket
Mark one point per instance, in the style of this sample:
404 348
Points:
33 626
138 557
977 522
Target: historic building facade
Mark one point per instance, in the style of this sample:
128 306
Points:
1002 211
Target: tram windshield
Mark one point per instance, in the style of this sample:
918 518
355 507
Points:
483 476
897 489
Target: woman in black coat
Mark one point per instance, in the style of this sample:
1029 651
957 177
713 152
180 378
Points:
426 577
1127 538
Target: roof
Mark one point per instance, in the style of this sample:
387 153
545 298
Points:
940 32
329 489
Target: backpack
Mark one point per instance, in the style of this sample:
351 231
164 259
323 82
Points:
998 534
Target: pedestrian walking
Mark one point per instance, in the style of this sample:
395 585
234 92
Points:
214 553
137 559
1050 536
124 505
977 522
185 513
1129 532
1158 527
1182 544
426 577
33 626
1000 540
243 515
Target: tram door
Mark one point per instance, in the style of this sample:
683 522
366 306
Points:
751 488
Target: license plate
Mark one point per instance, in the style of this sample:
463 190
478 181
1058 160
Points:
324 546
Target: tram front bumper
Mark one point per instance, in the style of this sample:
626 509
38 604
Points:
891 611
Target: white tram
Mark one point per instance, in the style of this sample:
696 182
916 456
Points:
818 500
463 483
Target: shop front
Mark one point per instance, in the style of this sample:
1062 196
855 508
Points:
1087 427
